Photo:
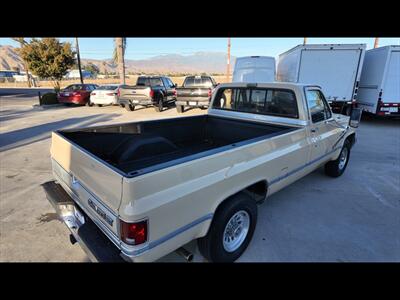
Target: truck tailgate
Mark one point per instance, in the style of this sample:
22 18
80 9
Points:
192 92
96 187
136 92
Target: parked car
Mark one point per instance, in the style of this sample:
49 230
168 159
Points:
334 67
254 69
196 91
379 91
157 91
76 94
141 190
105 95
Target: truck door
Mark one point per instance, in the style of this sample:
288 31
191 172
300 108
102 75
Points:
322 135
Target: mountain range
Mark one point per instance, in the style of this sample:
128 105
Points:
198 62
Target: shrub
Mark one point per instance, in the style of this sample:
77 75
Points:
48 98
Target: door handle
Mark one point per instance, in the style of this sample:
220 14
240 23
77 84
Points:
314 130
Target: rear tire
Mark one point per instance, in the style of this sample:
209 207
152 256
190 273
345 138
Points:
180 108
219 245
89 103
337 167
160 105
129 107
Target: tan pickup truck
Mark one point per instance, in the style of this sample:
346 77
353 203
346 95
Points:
138 191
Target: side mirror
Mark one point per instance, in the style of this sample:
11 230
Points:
355 117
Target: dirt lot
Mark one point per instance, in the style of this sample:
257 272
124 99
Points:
352 218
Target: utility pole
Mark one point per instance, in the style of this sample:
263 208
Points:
376 42
120 43
304 41
228 65
79 59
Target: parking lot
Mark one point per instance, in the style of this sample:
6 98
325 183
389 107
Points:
355 217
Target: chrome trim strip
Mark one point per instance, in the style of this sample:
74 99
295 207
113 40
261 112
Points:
276 180
133 252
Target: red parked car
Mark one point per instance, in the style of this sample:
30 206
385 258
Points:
76 94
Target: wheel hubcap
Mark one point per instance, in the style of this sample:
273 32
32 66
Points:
343 158
236 231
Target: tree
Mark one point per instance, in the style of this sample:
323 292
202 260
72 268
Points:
92 68
118 57
48 58
22 42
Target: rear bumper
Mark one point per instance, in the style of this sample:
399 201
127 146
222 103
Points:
105 100
136 101
91 239
196 102
74 100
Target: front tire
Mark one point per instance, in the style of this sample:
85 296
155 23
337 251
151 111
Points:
337 167
231 230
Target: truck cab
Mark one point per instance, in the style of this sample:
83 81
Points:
138 191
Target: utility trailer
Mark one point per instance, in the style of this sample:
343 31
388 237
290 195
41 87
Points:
336 68
379 91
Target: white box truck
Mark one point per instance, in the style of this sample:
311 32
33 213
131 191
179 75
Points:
254 69
379 91
336 68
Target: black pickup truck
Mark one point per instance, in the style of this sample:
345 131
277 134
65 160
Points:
196 91
149 90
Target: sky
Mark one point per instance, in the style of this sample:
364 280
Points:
142 48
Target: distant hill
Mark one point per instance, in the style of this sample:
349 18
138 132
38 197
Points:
199 62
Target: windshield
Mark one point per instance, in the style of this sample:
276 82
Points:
274 102
73 87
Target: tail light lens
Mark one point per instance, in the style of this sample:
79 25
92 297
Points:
119 92
175 92
93 94
209 93
134 233
151 93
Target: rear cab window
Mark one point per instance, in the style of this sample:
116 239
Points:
265 101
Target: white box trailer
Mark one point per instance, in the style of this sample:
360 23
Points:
336 68
254 69
379 91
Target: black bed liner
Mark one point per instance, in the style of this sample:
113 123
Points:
136 148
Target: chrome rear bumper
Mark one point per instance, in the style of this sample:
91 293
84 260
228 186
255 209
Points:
91 239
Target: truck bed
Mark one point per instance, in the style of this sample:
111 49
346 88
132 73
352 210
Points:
133 149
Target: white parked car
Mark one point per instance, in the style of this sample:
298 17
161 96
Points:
105 95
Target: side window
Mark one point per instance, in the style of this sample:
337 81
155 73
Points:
318 106
171 84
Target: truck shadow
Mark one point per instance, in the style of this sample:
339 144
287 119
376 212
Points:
25 136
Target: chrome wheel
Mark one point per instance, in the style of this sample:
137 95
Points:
236 231
343 158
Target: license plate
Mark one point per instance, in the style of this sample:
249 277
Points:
135 101
192 103
79 216
393 109
66 94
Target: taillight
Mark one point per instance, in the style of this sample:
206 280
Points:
151 93
134 233
175 92
119 92
93 94
209 93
